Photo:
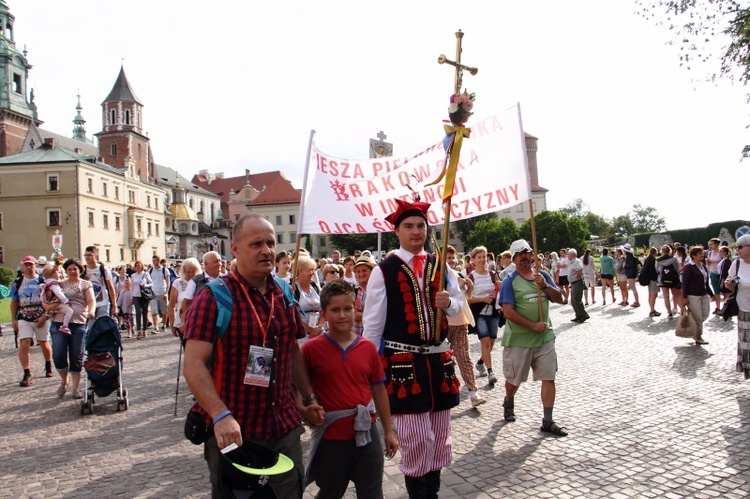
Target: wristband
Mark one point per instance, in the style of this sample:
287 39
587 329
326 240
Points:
222 416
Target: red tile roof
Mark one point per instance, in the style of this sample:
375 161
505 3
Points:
278 190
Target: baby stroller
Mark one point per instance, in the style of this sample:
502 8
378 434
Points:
103 364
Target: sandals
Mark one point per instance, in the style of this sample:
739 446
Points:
554 428
62 389
508 413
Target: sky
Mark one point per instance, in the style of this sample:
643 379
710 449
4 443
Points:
233 85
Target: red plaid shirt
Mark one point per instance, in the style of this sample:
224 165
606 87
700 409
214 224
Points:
262 413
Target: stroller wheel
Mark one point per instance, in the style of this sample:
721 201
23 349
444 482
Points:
83 408
125 399
91 406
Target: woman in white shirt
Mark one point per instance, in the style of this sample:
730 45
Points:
188 269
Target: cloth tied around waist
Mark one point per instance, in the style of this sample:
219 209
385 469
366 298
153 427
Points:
362 426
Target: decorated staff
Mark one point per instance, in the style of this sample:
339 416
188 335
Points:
459 111
401 318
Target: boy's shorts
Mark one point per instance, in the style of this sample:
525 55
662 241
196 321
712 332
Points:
518 360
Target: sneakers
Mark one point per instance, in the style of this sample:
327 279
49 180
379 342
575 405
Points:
655 314
670 316
481 369
477 401
64 329
492 379
27 380
62 389
77 393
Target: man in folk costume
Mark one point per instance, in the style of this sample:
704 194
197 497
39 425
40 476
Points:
419 364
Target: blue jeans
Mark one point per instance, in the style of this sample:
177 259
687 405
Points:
67 349
487 326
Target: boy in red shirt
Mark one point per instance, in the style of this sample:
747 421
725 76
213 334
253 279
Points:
347 376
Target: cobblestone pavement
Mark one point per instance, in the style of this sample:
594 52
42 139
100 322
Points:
649 415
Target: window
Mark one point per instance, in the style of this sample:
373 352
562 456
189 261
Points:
122 253
438 235
2 254
105 222
148 201
278 219
117 222
148 229
292 220
506 210
17 87
292 237
280 238
321 241
183 227
117 192
156 229
90 185
156 203
106 253
236 216
91 219
190 203
131 197
104 189
112 116
127 116
52 183
133 255
1 221
519 209
139 225
113 150
139 151
53 218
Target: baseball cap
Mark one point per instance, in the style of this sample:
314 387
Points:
29 259
248 467
519 246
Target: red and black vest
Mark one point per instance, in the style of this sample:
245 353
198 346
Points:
415 382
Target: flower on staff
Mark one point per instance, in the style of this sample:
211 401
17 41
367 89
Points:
460 107
58 258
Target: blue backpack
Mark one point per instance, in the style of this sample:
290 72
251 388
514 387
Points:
224 302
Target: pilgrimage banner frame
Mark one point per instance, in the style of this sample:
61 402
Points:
342 196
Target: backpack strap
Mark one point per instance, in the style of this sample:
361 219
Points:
223 298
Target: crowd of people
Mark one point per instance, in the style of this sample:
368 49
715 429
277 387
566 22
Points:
338 343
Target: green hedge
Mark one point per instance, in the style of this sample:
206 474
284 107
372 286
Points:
697 235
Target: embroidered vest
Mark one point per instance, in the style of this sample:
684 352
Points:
415 382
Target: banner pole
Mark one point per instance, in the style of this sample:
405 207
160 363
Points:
300 218
536 257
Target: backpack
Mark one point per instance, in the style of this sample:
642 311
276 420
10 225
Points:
224 303
643 278
670 278
104 281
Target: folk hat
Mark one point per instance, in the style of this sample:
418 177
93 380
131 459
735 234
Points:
42 260
626 248
407 209
248 467
29 259
365 260
519 246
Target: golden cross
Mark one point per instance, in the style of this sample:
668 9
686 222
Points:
457 64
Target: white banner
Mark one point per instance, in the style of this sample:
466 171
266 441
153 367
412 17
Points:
342 196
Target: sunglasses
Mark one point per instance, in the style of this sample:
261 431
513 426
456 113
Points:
333 272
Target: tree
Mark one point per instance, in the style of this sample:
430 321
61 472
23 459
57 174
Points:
348 243
555 230
576 209
646 220
465 226
495 234
597 225
700 26
623 226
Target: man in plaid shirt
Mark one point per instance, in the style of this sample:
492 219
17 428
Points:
242 400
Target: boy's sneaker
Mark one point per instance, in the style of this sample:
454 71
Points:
492 379
27 380
481 369
64 330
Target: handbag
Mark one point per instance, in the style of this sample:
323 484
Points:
686 327
730 309
147 294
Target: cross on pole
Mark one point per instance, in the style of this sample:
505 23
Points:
458 80
381 136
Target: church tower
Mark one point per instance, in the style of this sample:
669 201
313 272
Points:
79 124
122 142
17 113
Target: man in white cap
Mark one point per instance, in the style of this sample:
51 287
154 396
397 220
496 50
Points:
40 263
528 341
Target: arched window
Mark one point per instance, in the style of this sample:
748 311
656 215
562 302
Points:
114 150
127 116
112 117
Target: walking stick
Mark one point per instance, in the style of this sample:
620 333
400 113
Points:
177 388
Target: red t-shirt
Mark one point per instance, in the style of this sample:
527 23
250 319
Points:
342 378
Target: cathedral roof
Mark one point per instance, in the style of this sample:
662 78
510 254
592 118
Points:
122 90
181 211
166 177
278 190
